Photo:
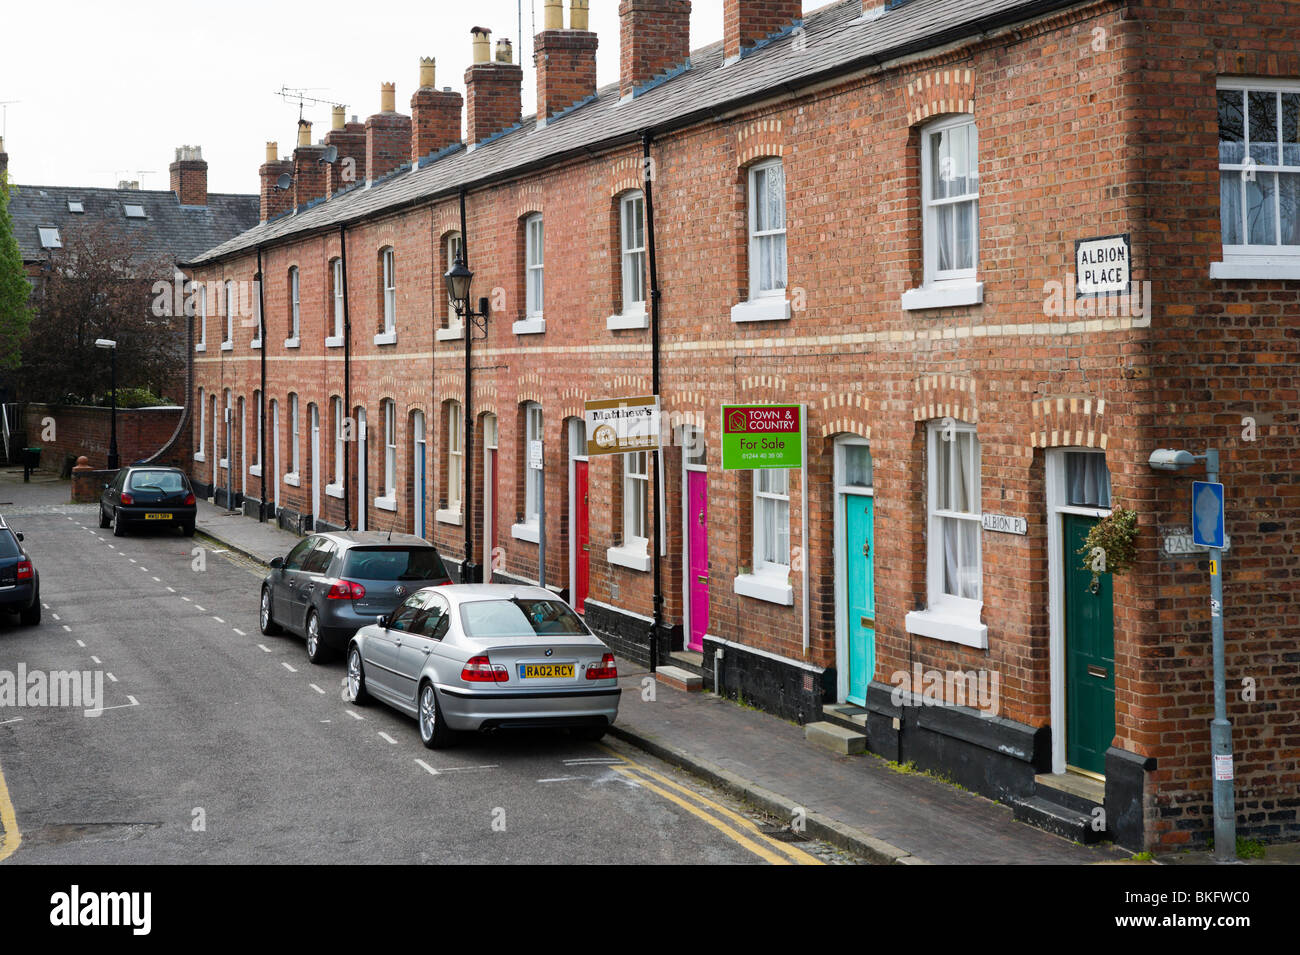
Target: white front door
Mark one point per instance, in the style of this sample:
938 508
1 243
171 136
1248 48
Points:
315 465
363 464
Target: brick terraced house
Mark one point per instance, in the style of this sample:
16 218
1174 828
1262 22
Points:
904 217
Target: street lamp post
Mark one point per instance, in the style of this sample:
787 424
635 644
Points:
111 345
1225 812
459 279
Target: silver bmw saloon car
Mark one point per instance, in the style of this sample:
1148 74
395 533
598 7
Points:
471 657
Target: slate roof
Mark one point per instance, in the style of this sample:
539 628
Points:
835 40
169 230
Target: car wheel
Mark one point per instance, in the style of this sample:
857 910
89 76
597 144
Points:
264 619
31 617
590 733
103 519
119 529
434 732
356 678
317 652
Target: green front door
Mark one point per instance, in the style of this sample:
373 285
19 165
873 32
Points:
861 592
1089 655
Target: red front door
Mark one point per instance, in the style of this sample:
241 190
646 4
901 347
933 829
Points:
581 535
697 498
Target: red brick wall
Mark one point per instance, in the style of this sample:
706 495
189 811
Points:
493 99
435 121
654 37
388 143
78 430
745 22
566 69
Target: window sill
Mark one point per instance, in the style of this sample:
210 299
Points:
386 503
386 338
200 347
448 516
292 343
224 463
529 326
1285 267
452 334
255 470
769 587
632 556
944 295
334 490
227 346
200 456
768 309
525 532
293 479
334 341
256 343
949 626
639 319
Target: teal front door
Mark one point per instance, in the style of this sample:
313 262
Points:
860 593
1089 655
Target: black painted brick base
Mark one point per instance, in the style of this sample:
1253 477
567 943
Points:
790 692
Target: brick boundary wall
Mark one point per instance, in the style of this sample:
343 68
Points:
83 429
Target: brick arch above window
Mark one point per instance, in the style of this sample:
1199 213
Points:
845 413
759 140
626 175
945 396
938 92
1076 421
528 201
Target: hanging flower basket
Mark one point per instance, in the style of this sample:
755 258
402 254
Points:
1114 537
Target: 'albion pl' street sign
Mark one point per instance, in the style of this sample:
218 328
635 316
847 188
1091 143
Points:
1004 524
1102 265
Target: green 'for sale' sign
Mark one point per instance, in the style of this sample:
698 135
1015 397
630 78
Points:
762 436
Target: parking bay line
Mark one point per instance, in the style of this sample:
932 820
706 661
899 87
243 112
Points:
265 648
123 706
453 769
285 665
238 631
316 688
386 737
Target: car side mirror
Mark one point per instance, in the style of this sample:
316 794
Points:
18 535
276 563
382 620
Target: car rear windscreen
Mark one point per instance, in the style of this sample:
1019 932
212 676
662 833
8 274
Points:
166 481
8 545
393 563
520 618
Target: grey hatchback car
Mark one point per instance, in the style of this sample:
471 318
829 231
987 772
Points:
330 585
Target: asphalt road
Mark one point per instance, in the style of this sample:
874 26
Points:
217 744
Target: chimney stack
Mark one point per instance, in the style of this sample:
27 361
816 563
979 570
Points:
350 140
274 200
189 176
566 60
746 22
308 170
654 38
493 100
388 136
4 162
435 114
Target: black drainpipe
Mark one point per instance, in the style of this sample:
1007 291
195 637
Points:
468 570
648 182
261 412
347 382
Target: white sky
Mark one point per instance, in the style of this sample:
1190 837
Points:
106 91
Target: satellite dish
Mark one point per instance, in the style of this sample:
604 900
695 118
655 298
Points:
284 182
331 154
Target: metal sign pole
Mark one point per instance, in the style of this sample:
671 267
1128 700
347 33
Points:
1225 814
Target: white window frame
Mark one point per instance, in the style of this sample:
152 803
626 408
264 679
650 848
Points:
336 280
533 429
229 342
224 461
1257 261
767 580
771 304
256 468
295 309
388 500
203 318
632 264
451 514
948 287
453 328
534 320
257 311
335 487
216 436
634 552
292 477
948 616
199 455
388 280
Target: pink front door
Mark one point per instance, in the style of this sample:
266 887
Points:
697 515
582 537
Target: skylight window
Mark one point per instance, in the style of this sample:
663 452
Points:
50 239
74 205
133 210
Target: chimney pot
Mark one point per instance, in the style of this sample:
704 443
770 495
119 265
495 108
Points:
504 51
492 90
272 151
553 15
482 40
578 15
427 72
304 133
388 98
337 118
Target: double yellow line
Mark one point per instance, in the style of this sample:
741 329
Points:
10 837
734 826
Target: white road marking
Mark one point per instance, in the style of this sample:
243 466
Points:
221 551
385 736
466 769
56 616
199 609
95 659
67 628
157 581
171 590
187 599
217 619
316 688
112 679
113 546
238 631
264 647
287 667
45 605
354 714
144 570
80 644
593 761
131 559
559 779
431 770
122 706
325 721
16 719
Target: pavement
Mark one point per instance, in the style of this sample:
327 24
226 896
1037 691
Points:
887 813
